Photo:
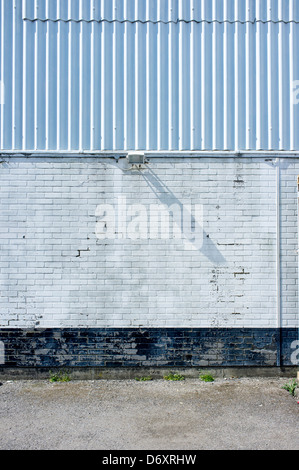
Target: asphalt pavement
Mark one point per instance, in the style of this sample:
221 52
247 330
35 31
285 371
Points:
124 415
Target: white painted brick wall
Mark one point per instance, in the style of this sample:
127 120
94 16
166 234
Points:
289 242
55 271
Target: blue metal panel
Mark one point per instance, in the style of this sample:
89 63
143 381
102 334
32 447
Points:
149 75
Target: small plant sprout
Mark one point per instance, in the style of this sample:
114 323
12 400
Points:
172 376
143 379
60 376
291 387
206 378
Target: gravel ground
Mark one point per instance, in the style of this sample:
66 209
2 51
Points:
227 414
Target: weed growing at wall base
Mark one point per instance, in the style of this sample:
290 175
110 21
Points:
174 377
143 379
60 376
291 387
206 378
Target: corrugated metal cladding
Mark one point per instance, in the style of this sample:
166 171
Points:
149 74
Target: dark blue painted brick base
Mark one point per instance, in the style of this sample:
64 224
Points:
154 347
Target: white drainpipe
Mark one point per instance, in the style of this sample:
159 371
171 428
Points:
278 265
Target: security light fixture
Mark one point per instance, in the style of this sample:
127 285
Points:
136 158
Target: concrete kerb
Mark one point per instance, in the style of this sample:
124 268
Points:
127 373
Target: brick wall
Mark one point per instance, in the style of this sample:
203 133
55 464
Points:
70 259
149 347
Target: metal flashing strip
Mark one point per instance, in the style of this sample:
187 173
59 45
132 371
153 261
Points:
151 154
178 21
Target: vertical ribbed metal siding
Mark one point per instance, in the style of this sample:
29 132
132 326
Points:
149 74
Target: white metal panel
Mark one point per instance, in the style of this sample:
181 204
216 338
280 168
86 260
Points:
149 75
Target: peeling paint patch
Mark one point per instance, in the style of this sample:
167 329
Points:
241 273
80 251
239 182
